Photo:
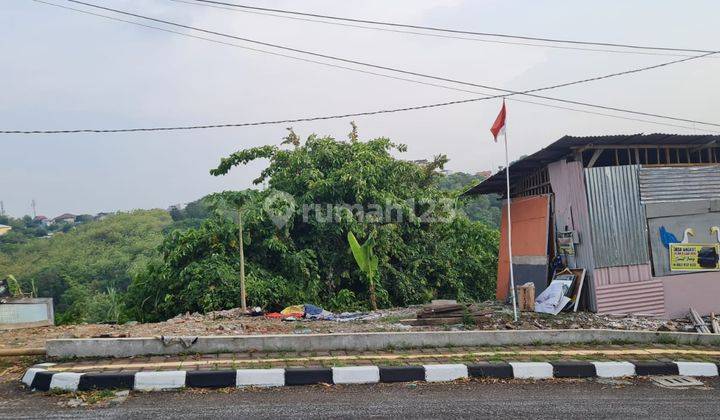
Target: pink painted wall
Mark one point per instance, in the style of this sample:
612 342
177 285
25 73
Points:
699 290
624 274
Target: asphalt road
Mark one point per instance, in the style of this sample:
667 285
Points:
558 399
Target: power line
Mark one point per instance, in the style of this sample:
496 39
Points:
237 8
310 118
315 62
455 31
444 79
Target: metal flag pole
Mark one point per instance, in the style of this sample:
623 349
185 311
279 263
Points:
509 220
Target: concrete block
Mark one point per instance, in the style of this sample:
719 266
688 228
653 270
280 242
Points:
66 381
29 375
697 369
572 369
106 380
644 368
614 369
210 378
490 370
402 373
159 381
260 377
532 370
17 313
445 373
41 381
308 376
138 346
356 375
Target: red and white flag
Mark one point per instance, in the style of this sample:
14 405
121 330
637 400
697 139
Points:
499 124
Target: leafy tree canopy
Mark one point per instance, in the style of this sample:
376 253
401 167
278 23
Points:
86 269
483 208
296 235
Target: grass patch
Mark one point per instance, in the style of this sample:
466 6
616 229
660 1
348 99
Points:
97 396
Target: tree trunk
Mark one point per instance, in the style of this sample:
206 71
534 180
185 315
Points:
243 302
373 298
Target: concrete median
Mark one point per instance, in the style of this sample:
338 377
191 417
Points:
146 346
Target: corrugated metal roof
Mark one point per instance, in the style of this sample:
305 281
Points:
564 147
619 229
680 184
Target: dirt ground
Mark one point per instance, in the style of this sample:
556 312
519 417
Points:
232 322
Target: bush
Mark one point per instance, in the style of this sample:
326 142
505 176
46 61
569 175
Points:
308 259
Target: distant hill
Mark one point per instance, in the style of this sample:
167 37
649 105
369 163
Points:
85 268
484 208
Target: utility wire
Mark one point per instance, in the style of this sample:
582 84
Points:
454 31
324 64
444 79
434 34
278 121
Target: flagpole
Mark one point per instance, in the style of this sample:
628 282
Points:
509 220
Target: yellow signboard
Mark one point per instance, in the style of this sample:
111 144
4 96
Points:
694 257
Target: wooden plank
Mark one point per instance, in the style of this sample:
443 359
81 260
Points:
699 323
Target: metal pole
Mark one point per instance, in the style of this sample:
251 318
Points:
509 223
243 303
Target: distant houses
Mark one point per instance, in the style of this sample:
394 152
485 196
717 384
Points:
65 218
72 219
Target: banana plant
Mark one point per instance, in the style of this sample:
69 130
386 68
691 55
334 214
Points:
14 287
367 261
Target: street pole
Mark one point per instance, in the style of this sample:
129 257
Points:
243 303
509 223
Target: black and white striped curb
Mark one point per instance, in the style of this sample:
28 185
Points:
40 378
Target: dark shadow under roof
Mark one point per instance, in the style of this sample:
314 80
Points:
564 148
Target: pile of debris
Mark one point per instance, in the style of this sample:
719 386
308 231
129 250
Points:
701 326
449 312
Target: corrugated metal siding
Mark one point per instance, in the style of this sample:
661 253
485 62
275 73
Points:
645 297
617 216
679 183
625 274
571 207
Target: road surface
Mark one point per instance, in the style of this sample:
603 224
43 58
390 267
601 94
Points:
556 399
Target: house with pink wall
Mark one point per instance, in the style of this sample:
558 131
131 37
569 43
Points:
642 213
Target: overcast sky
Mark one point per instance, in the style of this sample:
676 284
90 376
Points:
61 70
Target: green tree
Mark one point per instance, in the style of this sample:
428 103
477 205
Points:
75 267
295 236
483 208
